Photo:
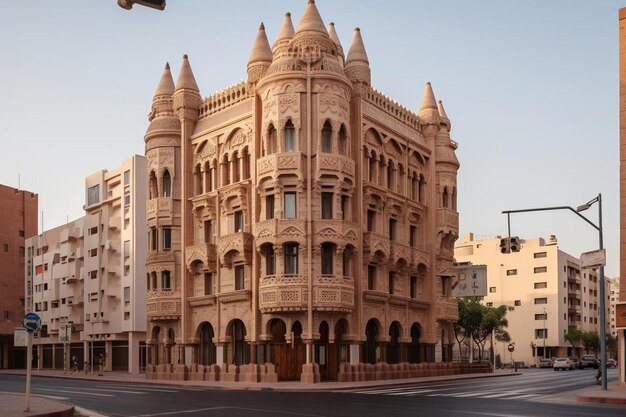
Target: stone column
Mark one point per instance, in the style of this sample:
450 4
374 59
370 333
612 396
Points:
355 353
108 354
219 355
133 353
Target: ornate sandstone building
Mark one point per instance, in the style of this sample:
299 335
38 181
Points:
301 223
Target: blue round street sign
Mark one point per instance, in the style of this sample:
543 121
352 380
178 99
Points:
32 322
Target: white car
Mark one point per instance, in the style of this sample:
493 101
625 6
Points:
563 363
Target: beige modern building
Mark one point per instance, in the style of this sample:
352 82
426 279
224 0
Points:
548 289
86 278
18 220
302 223
613 299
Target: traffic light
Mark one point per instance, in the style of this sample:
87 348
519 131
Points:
505 245
510 244
155 4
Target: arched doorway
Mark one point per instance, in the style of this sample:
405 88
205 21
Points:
321 351
414 347
169 346
239 347
371 336
207 346
156 331
338 350
393 347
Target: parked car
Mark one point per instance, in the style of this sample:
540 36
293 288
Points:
545 363
611 363
563 364
575 362
589 361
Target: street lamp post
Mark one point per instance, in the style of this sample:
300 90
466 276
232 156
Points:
598 227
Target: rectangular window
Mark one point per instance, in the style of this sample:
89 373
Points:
208 231
392 229
167 238
413 287
291 259
238 220
540 285
327 205
412 235
510 272
93 252
126 177
371 218
165 280
445 285
239 277
344 207
93 230
327 259
127 294
492 289
93 274
518 303
540 255
269 206
154 239
542 300
541 333
208 283
540 269
21 233
5 246
93 296
392 278
93 195
290 205
39 269
127 200
541 316
126 248
371 277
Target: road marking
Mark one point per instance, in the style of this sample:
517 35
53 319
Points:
137 387
111 390
183 411
417 391
53 397
502 394
75 392
230 408
519 397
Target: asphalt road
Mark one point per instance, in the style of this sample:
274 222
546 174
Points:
535 392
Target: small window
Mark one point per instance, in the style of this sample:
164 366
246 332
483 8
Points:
392 229
541 316
270 259
290 137
93 230
510 272
540 285
93 252
208 231
518 303
93 274
327 205
344 207
412 235
413 287
371 217
93 195
21 233
290 205
291 259
127 294
492 289
327 258
540 255
208 283
542 300
5 246
127 177
127 200
239 277
269 206
327 133
371 277
167 184
541 333
238 221
165 280
154 239
126 248
167 238
540 269
392 279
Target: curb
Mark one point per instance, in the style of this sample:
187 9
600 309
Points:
601 400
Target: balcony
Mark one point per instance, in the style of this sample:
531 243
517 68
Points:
163 305
374 242
284 293
420 256
400 251
158 208
573 309
447 219
240 242
204 252
340 232
274 230
447 309
280 163
573 279
334 164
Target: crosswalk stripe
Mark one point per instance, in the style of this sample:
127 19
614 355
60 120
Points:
134 387
111 390
75 392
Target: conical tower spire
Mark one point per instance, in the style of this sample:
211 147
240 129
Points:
333 35
442 111
311 20
429 112
166 85
261 51
286 30
186 80
357 65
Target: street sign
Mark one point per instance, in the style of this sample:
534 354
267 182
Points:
19 337
65 333
511 347
593 259
471 281
32 322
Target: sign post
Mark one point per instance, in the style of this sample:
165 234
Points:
32 323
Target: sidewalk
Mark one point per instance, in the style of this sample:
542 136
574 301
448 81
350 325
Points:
13 404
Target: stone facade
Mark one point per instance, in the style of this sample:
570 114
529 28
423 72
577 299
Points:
621 331
312 219
18 220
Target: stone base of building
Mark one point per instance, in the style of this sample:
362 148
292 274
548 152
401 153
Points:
310 372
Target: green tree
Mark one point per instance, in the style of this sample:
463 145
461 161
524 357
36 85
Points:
591 341
574 337
611 345
470 317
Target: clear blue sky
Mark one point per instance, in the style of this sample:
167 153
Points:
531 88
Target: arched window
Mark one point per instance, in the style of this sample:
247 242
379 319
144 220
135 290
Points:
290 137
343 140
208 177
238 337
167 184
327 134
328 250
153 277
454 198
414 187
444 197
422 187
225 171
148 282
372 167
390 169
245 172
152 188
165 280
197 180
271 140
347 264
291 258
207 346
236 167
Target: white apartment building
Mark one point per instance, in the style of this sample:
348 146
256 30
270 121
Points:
89 276
613 299
548 289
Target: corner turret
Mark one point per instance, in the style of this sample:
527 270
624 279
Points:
187 100
163 121
429 113
357 64
260 57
